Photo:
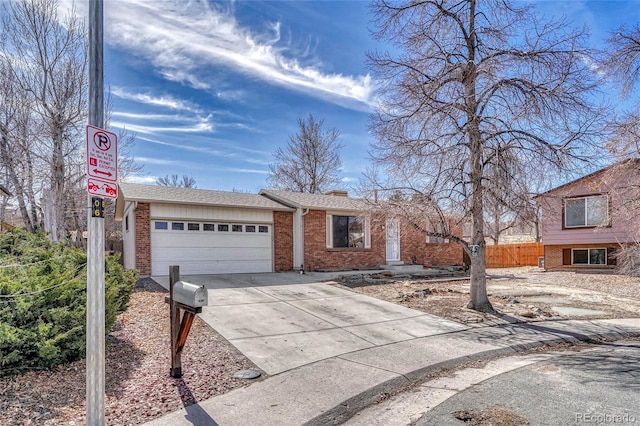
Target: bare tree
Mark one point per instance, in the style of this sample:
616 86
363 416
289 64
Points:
49 63
310 162
174 180
18 162
622 62
477 88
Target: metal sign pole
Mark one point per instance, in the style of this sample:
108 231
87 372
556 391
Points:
95 239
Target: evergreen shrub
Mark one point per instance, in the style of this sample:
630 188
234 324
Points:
43 301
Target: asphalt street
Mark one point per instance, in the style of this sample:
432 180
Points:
599 386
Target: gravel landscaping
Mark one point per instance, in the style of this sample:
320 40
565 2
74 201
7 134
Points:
138 385
518 294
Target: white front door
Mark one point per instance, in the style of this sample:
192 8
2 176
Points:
393 240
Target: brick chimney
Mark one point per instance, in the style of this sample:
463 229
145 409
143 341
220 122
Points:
337 193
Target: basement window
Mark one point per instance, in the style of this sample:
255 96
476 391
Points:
594 256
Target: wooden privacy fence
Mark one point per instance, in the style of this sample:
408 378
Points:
508 255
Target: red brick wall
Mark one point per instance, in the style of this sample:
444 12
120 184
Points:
283 241
318 256
414 248
143 239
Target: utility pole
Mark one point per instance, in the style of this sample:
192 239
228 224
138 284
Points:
95 239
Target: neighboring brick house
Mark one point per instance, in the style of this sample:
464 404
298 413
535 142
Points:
208 232
580 225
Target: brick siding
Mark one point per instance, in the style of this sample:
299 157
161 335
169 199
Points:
415 249
318 256
283 241
143 238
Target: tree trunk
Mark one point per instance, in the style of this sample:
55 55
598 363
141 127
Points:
58 230
478 286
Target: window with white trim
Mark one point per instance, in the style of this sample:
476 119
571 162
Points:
348 232
586 211
592 256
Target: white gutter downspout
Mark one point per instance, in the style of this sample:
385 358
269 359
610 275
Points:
298 238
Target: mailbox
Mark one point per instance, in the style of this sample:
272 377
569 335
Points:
189 294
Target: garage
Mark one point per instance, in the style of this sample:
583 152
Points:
202 231
210 247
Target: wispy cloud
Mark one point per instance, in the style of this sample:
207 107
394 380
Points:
141 179
183 39
227 152
164 162
202 126
148 98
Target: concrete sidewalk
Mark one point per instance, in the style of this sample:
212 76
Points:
332 390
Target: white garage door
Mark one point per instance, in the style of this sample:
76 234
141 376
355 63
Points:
210 247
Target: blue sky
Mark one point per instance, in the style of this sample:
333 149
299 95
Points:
211 89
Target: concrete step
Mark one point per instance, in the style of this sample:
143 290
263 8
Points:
403 268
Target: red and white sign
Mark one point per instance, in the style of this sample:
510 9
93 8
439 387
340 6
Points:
102 189
102 162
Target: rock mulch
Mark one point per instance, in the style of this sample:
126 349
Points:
138 385
510 292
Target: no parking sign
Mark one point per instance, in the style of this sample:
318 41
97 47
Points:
102 162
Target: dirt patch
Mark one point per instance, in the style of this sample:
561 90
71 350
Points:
493 416
518 295
138 385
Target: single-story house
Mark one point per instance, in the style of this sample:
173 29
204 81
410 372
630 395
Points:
210 232
581 227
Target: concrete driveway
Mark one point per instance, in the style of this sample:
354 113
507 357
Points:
286 320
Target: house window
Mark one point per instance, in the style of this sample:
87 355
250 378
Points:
193 226
208 227
436 228
594 256
236 228
250 228
347 232
177 226
586 211
126 223
263 229
161 225
223 228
